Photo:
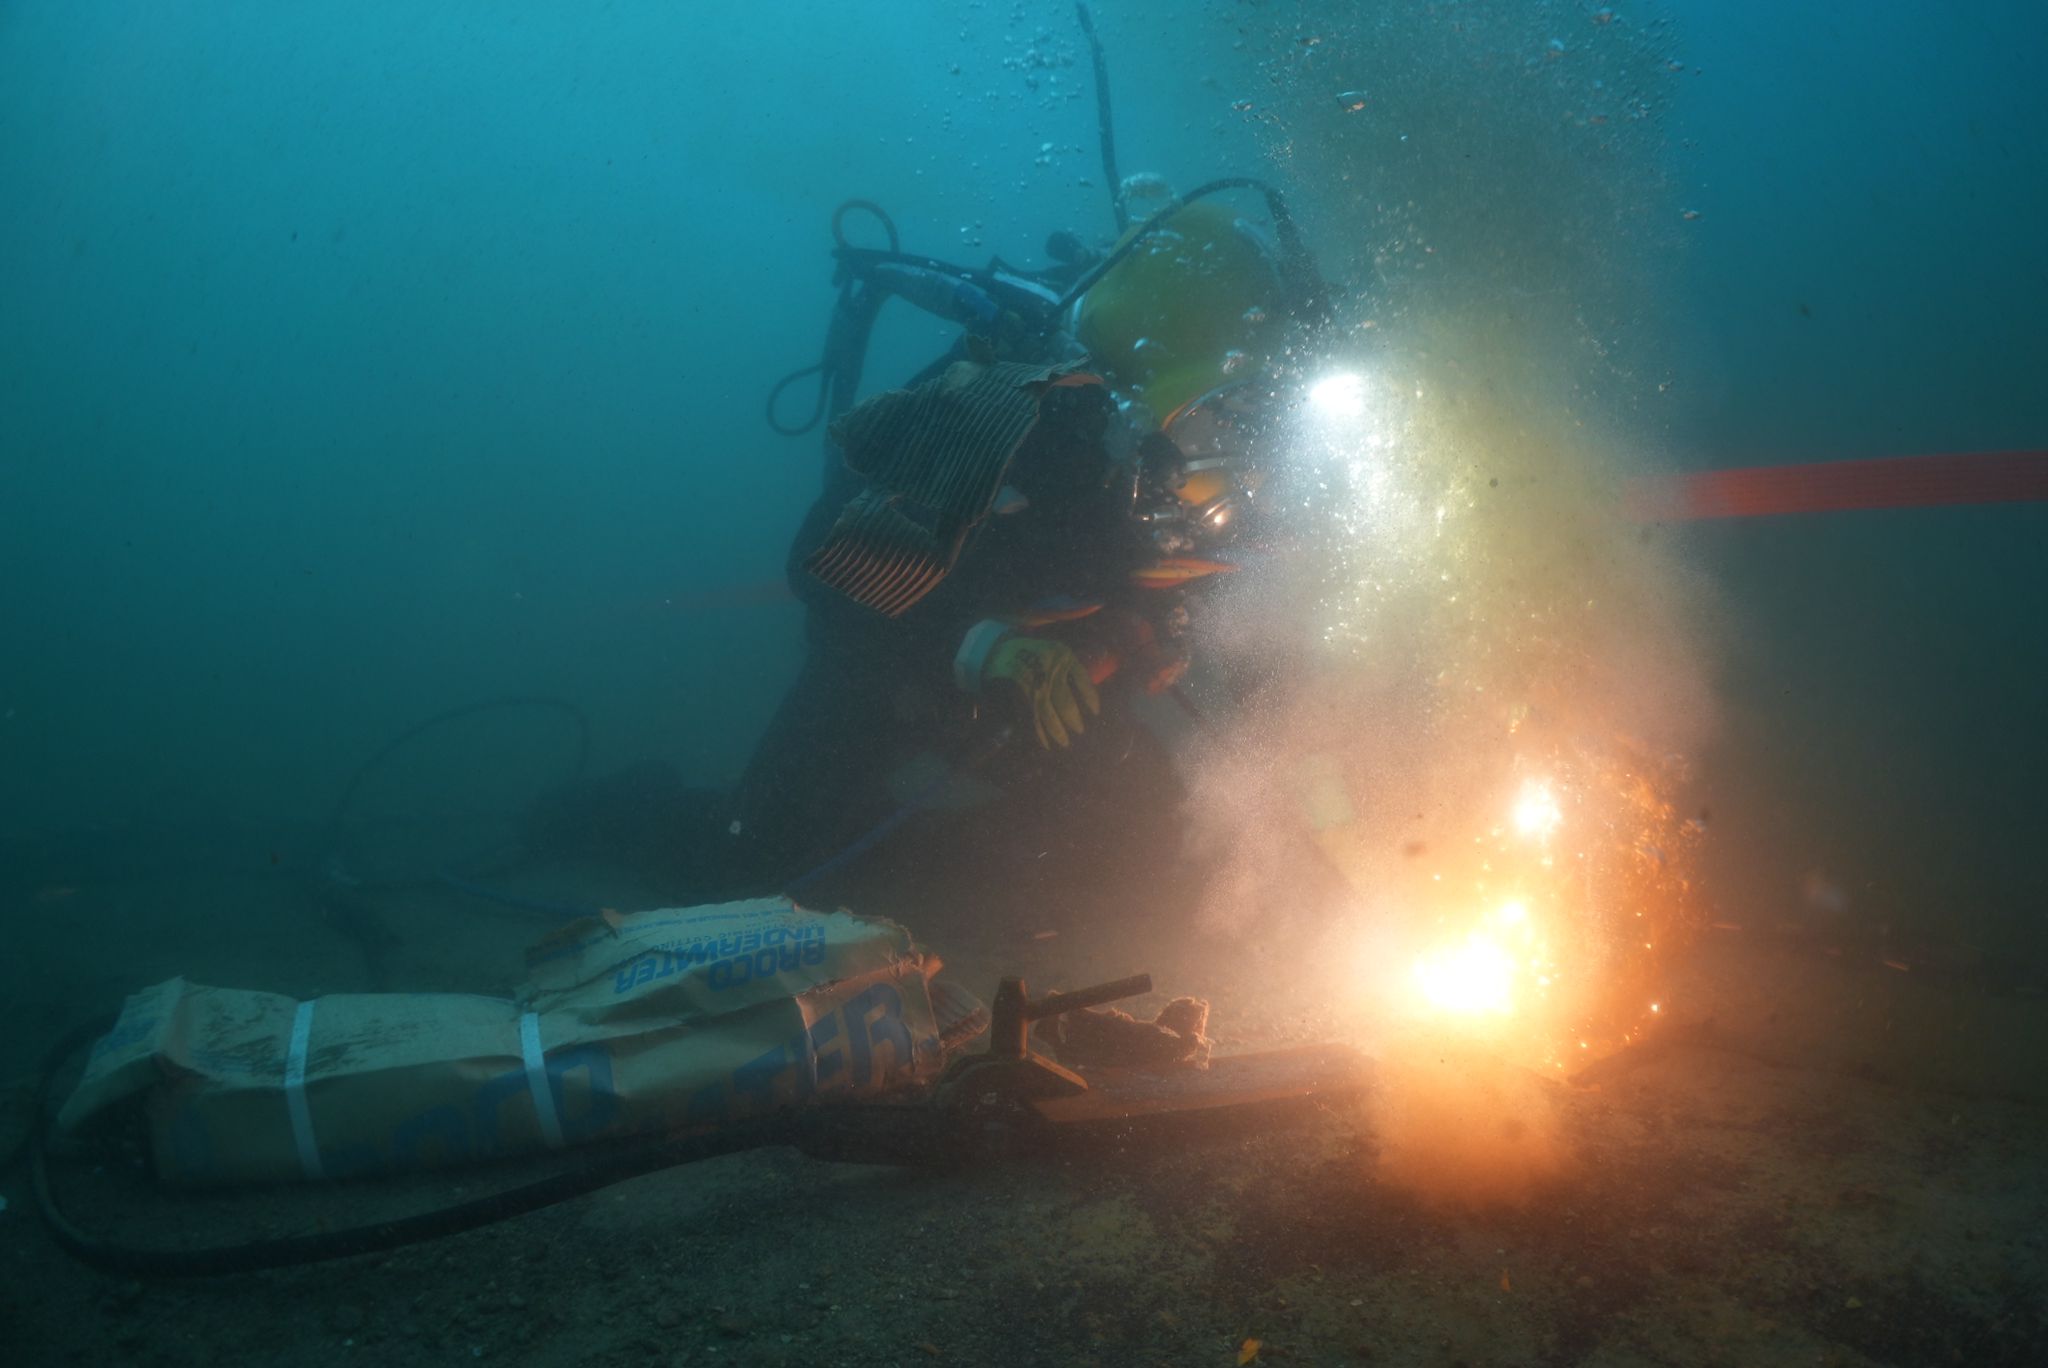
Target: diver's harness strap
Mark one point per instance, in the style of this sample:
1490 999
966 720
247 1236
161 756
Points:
295 1090
307 1143
536 1061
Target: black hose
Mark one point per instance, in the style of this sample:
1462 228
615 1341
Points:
564 911
1295 261
774 404
1034 303
903 812
112 1256
844 355
384 752
68 1044
142 1261
843 358
1104 121
350 906
866 207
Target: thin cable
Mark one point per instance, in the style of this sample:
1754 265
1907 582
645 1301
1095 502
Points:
384 752
1105 121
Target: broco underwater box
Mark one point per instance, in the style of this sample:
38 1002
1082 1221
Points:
651 1022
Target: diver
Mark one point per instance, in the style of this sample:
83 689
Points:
1007 547
1004 558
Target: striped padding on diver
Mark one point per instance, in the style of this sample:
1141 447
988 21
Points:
878 558
945 444
940 450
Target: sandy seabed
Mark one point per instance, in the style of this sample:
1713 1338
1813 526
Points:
1717 1204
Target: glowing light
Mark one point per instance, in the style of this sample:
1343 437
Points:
1472 979
1500 961
1339 396
1536 811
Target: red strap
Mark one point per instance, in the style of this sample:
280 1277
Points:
1833 486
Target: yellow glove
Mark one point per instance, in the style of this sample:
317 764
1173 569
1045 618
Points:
1054 682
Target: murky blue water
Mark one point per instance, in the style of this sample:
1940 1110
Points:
360 361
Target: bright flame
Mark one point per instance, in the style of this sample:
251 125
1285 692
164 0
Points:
1339 396
1536 811
1470 979
1479 975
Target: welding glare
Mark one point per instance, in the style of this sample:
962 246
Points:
1469 979
1536 811
1339 397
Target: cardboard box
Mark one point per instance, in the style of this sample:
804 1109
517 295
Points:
652 1022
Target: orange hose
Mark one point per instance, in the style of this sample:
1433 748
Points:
1984 477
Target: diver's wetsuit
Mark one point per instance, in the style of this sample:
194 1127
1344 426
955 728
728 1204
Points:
875 692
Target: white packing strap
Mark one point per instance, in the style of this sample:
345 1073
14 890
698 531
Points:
537 1079
295 1091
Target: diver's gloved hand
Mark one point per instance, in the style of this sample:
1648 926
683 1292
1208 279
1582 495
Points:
1054 682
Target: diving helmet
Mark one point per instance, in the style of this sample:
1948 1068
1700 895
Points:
1183 325
1187 311
1195 485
